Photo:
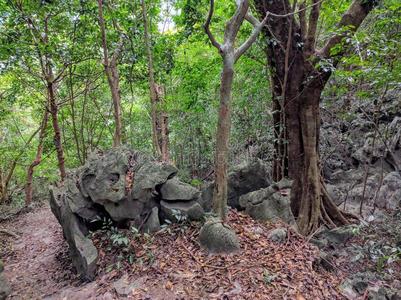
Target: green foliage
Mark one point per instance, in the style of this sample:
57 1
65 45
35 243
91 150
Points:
186 66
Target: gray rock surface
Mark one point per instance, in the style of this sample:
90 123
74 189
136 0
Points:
82 251
217 237
242 179
335 237
270 203
127 188
390 192
178 211
278 235
175 190
363 283
152 223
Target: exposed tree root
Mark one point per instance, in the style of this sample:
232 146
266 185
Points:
328 213
5 231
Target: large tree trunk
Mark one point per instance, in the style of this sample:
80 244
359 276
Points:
222 138
297 88
37 160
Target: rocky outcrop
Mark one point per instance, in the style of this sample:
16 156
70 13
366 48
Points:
242 179
125 187
82 251
270 203
217 237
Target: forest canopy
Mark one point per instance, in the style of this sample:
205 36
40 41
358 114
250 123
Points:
76 74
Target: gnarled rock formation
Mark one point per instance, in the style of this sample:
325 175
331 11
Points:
242 179
269 203
126 187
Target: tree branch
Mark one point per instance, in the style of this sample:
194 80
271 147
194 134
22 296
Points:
302 20
248 43
310 38
349 23
234 24
118 49
206 26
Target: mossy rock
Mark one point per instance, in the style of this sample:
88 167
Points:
217 237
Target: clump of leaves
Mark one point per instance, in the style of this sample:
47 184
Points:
268 277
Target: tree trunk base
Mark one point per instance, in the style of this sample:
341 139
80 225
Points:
328 214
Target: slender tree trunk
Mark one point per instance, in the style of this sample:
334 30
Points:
73 116
152 83
162 124
164 137
4 182
51 93
222 138
2 188
113 79
37 160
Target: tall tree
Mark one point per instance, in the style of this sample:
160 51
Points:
230 56
113 78
152 82
299 73
40 36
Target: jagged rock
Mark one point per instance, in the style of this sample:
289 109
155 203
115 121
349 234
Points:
125 187
4 287
124 286
270 203
217 237
337 236
175 190
176 211
103 176
324 260
82 251
152 223
77 202
278 235
335 193
390 192
242 179
355 286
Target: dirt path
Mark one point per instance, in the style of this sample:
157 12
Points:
37 264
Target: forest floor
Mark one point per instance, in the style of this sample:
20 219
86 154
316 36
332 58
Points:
167 265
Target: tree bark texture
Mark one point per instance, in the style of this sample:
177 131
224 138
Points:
297 88
223 137
113 78
37 160
51 94
152 83
229 55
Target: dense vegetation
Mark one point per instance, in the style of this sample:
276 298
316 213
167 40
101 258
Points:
59 93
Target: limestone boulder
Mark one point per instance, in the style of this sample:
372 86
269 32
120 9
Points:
242 179
270 203
82 251
124 187
175 190
181 210
217 237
